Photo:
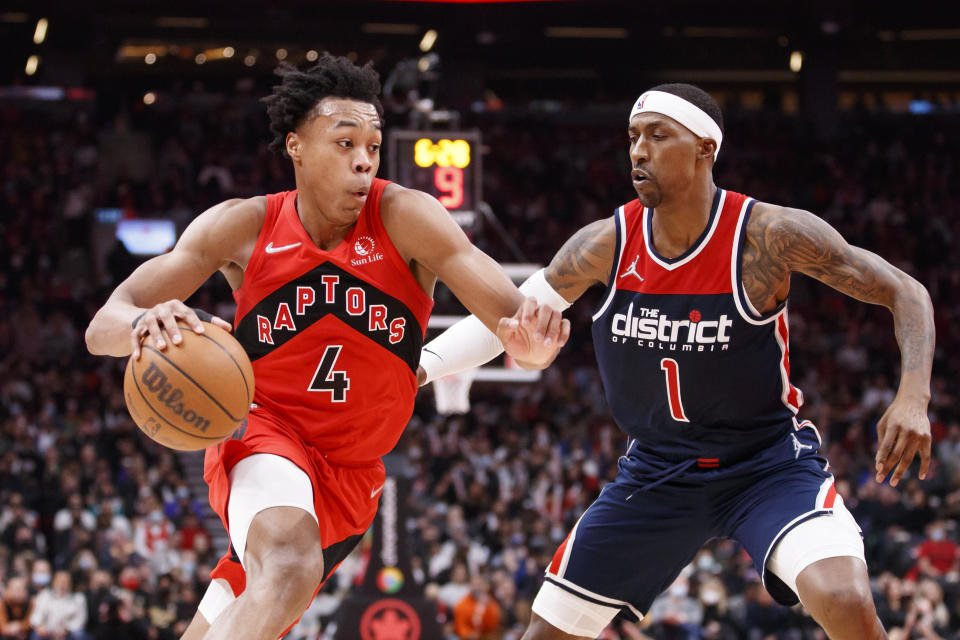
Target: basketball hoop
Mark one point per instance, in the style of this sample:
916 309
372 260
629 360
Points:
452 393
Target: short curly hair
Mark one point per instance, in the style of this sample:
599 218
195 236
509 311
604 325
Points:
299 92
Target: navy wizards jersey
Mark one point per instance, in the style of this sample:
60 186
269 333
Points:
690 368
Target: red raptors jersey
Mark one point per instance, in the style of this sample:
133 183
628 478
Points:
334 336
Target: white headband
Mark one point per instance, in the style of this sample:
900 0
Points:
686 113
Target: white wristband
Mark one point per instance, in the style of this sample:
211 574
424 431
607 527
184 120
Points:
536 286
468 343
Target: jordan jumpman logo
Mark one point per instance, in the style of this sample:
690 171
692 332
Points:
632 270
797 447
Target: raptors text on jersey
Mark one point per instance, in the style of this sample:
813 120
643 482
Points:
334 336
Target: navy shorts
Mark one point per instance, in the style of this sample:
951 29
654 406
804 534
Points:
649 523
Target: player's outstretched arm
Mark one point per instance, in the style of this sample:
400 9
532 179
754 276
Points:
783 240
149 301
584 260
425 232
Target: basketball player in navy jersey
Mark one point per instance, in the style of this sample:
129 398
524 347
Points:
333 285
692 343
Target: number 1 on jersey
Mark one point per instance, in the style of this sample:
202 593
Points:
672 373
336 383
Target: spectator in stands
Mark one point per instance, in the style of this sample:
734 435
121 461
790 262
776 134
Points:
717 622
763 618
153 536
192 534
16 605
40 575
477 616
937 556
457 588
74 513
894 600
59 613
948 450
674 614
15 512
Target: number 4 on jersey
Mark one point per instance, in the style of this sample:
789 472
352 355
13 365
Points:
672 373
336 383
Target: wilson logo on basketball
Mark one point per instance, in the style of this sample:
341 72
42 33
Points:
155 380
366 248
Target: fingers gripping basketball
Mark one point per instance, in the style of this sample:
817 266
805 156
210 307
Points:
193 395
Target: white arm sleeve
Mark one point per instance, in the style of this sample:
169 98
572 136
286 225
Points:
468 343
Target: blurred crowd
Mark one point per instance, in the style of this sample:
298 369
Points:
101 536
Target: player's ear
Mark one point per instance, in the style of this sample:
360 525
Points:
706 147
294 146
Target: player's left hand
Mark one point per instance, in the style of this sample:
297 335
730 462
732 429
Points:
903 431
534 335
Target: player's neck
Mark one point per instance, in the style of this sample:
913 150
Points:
679 221
325 231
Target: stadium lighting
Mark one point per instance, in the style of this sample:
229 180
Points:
281 54
390 28
586 32
181 22
149 98
430 37
150 58
228 52
796 61
312 55
40 33
32 63
250 60
200 58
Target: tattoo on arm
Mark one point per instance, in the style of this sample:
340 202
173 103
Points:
584 260
781 241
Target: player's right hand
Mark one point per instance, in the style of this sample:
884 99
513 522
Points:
534 335
903 432
159 323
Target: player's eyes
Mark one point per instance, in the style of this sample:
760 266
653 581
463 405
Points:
346 144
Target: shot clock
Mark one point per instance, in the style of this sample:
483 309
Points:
445 164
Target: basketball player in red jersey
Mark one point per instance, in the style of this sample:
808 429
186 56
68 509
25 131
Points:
691 341
333 286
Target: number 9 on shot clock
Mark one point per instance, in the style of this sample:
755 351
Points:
445 164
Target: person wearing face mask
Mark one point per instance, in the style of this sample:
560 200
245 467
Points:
40 574
677 614
59 613
85 561
937 556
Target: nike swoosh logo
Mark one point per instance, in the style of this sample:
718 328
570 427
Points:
273 249
373 494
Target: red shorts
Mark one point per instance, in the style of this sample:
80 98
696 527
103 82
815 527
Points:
344 496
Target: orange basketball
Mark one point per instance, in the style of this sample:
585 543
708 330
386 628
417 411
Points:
192 395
